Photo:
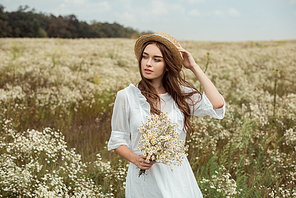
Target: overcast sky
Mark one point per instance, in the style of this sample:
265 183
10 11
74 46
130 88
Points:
204 20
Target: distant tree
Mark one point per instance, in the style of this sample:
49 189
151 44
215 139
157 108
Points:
85 30
147 32
24 23
28 23
42 33
3 23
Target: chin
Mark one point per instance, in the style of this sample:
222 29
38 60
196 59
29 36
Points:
146 76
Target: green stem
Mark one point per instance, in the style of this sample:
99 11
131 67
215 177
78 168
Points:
208 60
207 63
274 91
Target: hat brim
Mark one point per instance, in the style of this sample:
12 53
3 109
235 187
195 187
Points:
153 37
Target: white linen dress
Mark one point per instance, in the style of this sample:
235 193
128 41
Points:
130 111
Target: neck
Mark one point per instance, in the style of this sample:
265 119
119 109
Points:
159 87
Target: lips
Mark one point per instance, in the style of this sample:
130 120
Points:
148 71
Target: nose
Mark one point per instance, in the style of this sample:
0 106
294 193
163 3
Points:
148 63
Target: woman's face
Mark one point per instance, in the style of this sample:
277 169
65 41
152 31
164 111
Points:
152 64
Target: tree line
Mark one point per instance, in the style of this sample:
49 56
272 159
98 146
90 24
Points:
28 23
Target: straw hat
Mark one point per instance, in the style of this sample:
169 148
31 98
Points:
161 37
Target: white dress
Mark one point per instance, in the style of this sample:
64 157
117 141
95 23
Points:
130 110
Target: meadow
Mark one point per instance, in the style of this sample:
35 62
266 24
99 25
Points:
56 99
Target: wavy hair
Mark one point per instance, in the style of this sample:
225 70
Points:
172 81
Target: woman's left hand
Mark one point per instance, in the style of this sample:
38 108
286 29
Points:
188 60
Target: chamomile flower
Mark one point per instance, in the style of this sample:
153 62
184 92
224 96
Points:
160 141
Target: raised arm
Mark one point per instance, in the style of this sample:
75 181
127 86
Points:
209 88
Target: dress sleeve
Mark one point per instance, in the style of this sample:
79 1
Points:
120 134
204 107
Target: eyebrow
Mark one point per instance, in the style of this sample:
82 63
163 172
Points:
154 56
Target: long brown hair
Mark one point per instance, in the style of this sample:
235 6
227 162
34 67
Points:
172 81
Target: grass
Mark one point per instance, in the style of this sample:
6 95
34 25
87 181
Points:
70 86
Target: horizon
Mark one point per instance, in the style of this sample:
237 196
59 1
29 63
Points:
197 20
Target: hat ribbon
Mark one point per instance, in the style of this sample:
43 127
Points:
163 36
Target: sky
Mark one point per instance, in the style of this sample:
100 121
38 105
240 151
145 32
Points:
199 20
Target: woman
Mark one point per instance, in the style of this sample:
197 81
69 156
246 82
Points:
162 89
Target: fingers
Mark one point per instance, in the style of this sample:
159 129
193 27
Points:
184 52
143 164
179 45
181 49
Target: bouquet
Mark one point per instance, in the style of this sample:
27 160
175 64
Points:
160 141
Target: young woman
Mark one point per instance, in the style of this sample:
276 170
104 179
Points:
162 89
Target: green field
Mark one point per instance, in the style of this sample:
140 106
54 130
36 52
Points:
56 99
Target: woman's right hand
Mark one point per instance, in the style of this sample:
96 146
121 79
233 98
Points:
138 160
141 162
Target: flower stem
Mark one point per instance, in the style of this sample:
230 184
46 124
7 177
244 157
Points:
274 91
141 172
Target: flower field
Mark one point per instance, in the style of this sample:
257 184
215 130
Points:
56 99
